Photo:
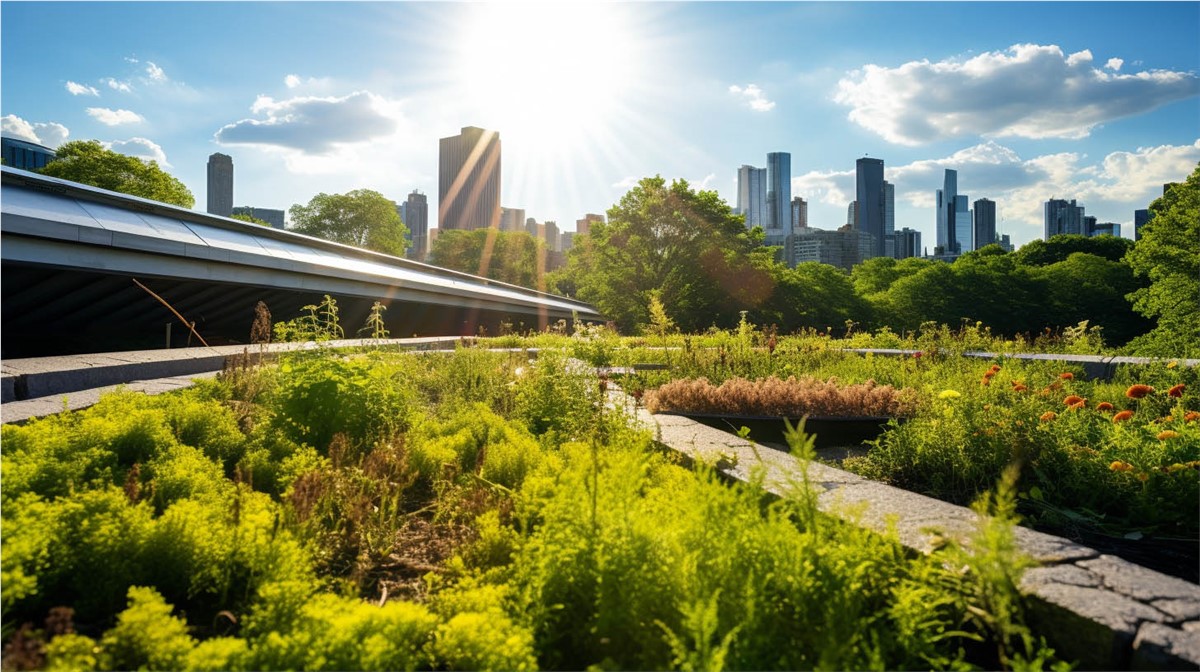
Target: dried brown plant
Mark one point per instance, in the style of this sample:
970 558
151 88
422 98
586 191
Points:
791 398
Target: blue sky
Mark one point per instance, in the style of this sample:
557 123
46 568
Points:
1028 101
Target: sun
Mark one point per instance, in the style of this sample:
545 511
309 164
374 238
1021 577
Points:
548 77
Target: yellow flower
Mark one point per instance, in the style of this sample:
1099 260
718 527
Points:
949 394
1167 434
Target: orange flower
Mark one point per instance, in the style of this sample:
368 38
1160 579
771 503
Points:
995 367
1138 391
1122 416
986 381
989 373
1143 477
1019 387
1104 406
1176 391
1067 376
1167 434
1191 416
1076 407
1118 465
1048 416
1073 399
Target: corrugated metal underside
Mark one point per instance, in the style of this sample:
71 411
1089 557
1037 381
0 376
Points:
70 255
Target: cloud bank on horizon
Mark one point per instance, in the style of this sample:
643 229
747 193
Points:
1028 91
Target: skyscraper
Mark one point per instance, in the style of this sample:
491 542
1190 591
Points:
512 219
273 217
946 201
985 222
469 180
964 235
779 193
799 213
871 209
220 185
1062 217
889 219
1140 217
908 243
416 218
752 195
583 226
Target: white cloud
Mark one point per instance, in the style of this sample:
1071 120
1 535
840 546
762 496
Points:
1030 91
142 148
626 184
315 125
292 81
81 89
1114 64
319 84
49 134
753 96
155 73
704 184
829 187
117 85
114 117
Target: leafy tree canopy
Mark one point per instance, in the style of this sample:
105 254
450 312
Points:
507 256
362 218
88 162
687 245
1168 255
1058 248
251 219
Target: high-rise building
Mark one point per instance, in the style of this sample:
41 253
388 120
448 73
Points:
220 185
985 222
1006 243
1103 229
752 195
842 248
1062 217
533 228
416 218
549 232
908 243
799 213
469 180
947 198
1140 217
871 206
779 192
268 215
512 219
852 213
889 219
583 226
964 234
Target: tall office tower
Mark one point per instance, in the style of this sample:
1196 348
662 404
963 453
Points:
872 207
852 213
889 219
220 185
908 243
1140 217
469 180
1089 226
779 192
964 235
1062 217
947 198
985 222
533 228
799 213
512 219
550 235
583 226
1006 243
416 218
752 195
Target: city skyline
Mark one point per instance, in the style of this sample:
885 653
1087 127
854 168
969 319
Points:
1104 113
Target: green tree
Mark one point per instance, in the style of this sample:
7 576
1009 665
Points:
362 218
688 245
1088 287
251 219
1168 255
88 162
1058 248
507 256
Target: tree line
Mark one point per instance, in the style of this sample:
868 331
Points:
671 252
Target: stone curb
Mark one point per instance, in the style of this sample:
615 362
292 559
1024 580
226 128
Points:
1102 611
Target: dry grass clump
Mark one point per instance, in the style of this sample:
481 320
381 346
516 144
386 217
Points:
791 398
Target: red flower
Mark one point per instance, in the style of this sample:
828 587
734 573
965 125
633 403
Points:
1048 416
1138 391
1191 416
1176 391
1067 375
1104 406
1073 399
1017 387
1122 416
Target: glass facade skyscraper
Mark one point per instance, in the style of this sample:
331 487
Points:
752 195
1062 217
985 222
220 185
469 180
871 209
779 193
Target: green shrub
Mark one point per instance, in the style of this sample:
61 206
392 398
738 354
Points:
219 654
147 636
72 653
483 641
